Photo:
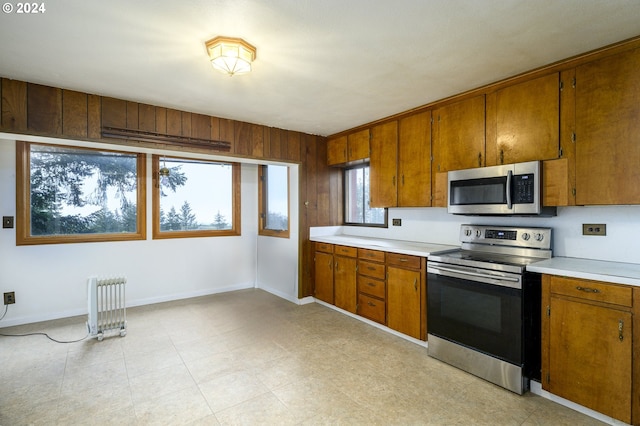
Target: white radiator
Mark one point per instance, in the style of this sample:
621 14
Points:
106 306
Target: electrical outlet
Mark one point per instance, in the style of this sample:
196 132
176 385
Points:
7 221
9 298
594 229
396 222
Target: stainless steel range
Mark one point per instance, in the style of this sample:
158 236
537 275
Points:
483 307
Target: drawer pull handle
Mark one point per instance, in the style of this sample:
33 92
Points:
371 304
620 328
371 268
415 284
404 259
588 290
371 284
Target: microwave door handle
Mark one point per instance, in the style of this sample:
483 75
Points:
508 189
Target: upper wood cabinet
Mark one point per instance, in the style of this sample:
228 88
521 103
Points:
523 121
608 130
414 160
348 148
383 165
459 135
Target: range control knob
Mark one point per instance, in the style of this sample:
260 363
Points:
467 232
478 233
538 236
526 236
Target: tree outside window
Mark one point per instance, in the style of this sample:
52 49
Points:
195 198
274 201
356 199
73 194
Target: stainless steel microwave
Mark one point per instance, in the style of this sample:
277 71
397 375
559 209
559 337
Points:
509 189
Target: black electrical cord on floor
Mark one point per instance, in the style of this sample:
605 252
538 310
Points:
6 308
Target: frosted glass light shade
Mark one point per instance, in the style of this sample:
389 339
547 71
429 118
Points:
231 55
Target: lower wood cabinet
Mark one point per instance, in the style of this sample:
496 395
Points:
405 294
388 288
588 341
323 272
344 278
372 287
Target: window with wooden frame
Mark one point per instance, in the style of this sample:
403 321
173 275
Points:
195 198
273 194
357 209
70 194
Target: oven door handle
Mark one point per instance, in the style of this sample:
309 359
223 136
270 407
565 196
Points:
506 280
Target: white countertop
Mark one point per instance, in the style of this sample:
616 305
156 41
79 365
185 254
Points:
599 270
393 246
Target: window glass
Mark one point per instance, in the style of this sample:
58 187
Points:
357 208
73 194
274 194
194 197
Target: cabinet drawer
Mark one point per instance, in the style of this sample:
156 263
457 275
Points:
370 269
372 255
403 260
592 290
371 286
346 251
324 247
371 308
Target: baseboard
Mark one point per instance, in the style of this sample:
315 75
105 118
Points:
29 319
536 388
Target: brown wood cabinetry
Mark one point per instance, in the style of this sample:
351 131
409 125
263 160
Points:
459 135
344 278
587 344
523 121
608 130
405 289
348 148
384 165
371 285
414 160
323 272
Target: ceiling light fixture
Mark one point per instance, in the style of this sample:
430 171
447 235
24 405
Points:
231 55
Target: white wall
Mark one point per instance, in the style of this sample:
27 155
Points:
50 280
435 225
278 257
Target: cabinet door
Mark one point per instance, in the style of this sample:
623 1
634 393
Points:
403 301
383 166
345 283
590 356
608 130
414 161
527 121
337 151
358 145
324 277
459 135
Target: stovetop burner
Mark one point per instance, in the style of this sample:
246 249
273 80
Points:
508 249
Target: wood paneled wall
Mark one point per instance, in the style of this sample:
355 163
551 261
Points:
39 110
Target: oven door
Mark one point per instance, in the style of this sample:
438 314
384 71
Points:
476 308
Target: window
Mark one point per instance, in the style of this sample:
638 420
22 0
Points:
195 198
274 201
356 199
71 194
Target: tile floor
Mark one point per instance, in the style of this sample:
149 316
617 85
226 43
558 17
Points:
247 358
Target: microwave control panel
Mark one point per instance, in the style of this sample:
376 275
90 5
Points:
523 189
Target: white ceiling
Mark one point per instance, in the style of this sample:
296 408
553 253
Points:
322 66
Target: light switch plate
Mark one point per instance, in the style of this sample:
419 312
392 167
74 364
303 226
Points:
396 222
